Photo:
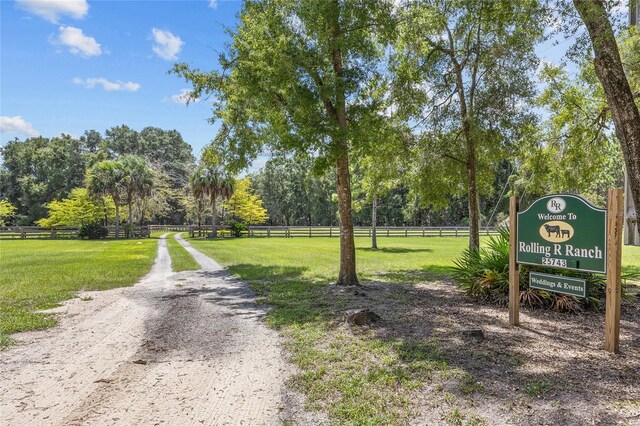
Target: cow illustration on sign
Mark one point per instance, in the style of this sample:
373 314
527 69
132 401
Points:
560 233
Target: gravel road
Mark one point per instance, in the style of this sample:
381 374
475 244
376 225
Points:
177 348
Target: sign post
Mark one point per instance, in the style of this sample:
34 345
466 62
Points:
514 274
614 255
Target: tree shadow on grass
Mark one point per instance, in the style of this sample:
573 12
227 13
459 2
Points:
395 250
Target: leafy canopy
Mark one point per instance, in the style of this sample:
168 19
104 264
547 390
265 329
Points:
245 205
78 209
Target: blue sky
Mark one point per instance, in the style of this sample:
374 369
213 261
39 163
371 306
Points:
70 66
67 66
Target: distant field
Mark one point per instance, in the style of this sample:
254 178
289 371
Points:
39 274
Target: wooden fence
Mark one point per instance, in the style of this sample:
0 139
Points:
30 232
334 231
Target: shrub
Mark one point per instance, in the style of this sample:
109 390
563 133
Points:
484 275
92 231
236 228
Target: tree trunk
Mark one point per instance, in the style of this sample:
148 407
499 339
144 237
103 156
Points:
214 232
608 67
374 221
117 220
474 208
347 274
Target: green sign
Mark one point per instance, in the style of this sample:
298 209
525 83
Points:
558 284
563 231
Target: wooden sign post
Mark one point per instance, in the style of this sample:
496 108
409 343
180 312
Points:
514 275
615 222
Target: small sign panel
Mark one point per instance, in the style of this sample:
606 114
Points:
558 284
563 231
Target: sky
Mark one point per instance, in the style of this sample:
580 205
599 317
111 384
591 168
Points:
67 66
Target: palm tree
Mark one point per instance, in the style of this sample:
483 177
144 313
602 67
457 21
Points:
139 180
107 178
198 185
214 183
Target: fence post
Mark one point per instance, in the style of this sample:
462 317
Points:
456 231
330 231
23 234
387 231
309 231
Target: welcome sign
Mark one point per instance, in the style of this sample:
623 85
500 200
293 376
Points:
563 231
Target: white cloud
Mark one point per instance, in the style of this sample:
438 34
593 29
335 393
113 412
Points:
107 85
167 46
78 43
53 10
213 4
17 125
184 97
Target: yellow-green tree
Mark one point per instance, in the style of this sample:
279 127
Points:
245 205
78 209
7 210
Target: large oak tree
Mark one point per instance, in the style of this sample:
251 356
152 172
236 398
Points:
295 79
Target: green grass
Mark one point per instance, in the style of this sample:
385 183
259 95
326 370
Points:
181 259
631 260
39 274
356 377
537 388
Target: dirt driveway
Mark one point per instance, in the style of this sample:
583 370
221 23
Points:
177 348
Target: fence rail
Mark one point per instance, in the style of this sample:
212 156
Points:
334 231
31 232
24 232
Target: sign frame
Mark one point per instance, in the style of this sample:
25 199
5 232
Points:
589 205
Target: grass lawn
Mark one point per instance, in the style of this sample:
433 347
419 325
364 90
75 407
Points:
355 376
39 274
181 259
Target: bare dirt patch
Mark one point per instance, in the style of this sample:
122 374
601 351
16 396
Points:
552 370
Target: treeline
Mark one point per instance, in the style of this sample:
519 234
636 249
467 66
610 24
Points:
296 194
40 170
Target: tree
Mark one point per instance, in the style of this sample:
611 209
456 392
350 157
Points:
7 211
40 170
78 209
245 205
210 180
379 170
138 181
577 132
464 79
108 177
295 193
295 79
620 97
